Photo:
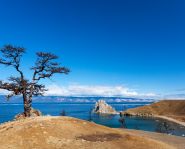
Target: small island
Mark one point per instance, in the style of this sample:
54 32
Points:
101 107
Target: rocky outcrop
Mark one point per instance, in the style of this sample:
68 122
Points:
140 114
144 111
102 107
33 112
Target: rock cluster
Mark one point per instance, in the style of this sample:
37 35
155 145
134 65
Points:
33 113
139 114
102 107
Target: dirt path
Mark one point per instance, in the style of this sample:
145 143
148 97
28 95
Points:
178 142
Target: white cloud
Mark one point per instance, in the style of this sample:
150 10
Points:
3 92
85 90
96 90
176 96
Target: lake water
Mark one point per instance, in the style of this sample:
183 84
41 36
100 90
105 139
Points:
82 111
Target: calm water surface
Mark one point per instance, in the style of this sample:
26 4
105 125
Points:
82 111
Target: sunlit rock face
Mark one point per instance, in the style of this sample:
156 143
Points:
102 107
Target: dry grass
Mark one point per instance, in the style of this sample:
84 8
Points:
69 133
170 108
101 137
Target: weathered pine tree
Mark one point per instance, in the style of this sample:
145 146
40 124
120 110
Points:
45 67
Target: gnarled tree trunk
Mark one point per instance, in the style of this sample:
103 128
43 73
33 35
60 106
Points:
27 106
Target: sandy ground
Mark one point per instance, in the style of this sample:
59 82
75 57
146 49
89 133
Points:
49 132
178 142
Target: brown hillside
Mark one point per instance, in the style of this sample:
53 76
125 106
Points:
170 108
69 133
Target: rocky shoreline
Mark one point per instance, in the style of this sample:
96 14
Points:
170 119
167 109
126 114
139 114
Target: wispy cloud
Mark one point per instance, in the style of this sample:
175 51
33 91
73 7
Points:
175 96
3 92
85 90
180 90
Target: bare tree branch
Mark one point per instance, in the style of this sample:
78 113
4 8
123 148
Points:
45 67
11 57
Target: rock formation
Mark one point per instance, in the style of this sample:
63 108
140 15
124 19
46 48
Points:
102 107
34 113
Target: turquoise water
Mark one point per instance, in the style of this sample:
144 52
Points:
82 111
78 110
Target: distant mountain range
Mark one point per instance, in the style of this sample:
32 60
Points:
47 99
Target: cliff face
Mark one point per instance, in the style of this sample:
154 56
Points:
102 107
170 108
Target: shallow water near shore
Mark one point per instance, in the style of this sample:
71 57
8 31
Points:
82 111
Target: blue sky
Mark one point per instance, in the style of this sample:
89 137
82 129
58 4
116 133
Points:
126 46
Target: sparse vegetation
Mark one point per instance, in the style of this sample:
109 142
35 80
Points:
63 113
170 108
